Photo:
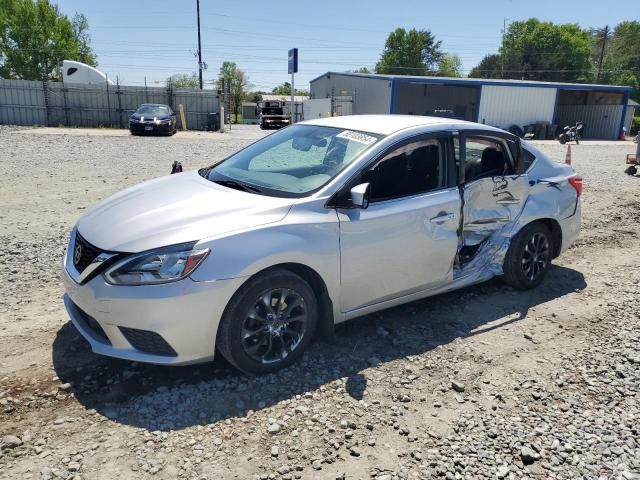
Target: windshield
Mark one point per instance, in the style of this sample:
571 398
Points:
155 110
294 161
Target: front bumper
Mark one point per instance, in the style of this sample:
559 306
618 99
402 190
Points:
185 314
274 123
150 128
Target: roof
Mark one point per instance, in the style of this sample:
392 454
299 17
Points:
478 81
632 103
283 98
387 124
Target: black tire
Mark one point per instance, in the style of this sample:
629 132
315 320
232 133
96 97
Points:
631 170
516 130
528 257
562 138
250 300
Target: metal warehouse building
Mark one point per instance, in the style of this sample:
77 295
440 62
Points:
500 103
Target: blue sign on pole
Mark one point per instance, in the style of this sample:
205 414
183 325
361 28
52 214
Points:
293 60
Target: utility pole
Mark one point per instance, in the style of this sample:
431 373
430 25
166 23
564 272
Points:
199 45
504 30
605 36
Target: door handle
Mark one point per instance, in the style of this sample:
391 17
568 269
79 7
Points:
509 201
443 217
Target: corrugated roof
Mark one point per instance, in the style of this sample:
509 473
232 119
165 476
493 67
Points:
478 81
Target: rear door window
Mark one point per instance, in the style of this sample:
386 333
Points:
486 157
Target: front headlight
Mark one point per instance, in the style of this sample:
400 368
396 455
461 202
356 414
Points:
164 122
163 265
134 120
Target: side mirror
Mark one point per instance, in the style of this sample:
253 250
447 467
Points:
360 195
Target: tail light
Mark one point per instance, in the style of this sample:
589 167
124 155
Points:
576 182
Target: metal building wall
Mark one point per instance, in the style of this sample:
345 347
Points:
54 103
600 121
369 95
628 120
503 106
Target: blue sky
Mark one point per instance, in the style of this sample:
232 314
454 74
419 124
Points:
154 39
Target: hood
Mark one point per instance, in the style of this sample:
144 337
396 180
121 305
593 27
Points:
178 208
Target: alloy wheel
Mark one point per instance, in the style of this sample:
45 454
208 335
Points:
535 258
274 326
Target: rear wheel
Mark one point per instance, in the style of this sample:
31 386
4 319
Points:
528 257
268 322
562 138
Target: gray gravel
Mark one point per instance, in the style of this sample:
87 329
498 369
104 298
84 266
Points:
486 382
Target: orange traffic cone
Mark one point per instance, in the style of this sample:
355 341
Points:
567 159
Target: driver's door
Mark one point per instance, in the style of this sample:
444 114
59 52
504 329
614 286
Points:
406 240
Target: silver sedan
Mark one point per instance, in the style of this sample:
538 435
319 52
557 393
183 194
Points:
316 224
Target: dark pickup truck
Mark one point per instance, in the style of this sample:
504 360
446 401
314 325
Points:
271 115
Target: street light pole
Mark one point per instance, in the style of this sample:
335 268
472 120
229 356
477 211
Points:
199 45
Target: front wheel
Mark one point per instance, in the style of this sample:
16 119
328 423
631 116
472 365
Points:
528 257
268 323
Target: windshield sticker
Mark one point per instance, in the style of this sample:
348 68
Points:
357 137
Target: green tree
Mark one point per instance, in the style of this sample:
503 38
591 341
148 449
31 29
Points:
449 65
285 89
489 67
184 81
543 51
80 26
238 85
621 64
35 37
360 70
413 52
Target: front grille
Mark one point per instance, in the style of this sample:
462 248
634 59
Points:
91 324
83 253
148 342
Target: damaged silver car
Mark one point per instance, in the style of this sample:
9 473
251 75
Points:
321 222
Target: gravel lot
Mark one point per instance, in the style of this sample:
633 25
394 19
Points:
486 382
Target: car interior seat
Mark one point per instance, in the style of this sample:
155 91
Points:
492 163
422 169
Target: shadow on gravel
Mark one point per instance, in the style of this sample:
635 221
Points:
169 398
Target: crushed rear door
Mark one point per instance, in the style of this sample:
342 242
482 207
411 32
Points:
494 193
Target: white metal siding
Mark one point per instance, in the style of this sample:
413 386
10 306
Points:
370 95
628 120
503 106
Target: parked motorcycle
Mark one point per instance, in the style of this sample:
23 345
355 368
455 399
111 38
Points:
572 133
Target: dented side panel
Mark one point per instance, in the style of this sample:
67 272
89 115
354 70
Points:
490 203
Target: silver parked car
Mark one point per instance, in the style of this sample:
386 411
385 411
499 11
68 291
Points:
316 224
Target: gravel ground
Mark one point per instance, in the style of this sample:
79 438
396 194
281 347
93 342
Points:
486 382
